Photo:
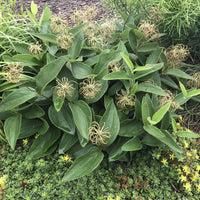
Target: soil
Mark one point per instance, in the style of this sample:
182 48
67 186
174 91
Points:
65 6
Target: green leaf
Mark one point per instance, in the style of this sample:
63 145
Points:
131 128
128 61
151 141
62 119
32 17
134 89
145 111
44 128
169 82
29 127
32 112
57 102
116 151
84 164
154 56
133 144
78 42
46 37
12 129
187 134
148 47
183 89
66 142
119 75
193 93
174 125
179 73
132 38
110 120
82 116
46 14
150 88
49 72
143 68
26 60
165 123
155 67
154 131
81 70
16 98
34 8
42 144
158 115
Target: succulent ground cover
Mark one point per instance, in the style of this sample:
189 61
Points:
94 94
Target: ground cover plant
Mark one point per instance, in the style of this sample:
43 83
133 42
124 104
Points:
97 90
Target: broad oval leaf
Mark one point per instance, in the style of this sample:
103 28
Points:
145 110
131 128
82 116
133 144
62 119
16 98
66 142
81 70
150 88
32 112
12 129
49 72
127 61
119 75
57 102
154 131
29 127
147 47
78 42
43 143
132 38
110 121
84 164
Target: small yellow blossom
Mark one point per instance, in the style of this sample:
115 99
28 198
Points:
198 187
181 118
179 171
198 167
172 156
164 161
66 158
158 156
109 198
187 186
2 182
194 151
189 130
36 136
185 168
117 198
186 145
194 177
189 154
25 141
183 178
197 157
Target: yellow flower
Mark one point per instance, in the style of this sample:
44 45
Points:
181 118
187 186
186 145
158 156
185 168
25 141
66 158
183 178
197 157
189 154
198 187
109 198
198 167
194 177
179 171
36 136
2 182
117 198
172 156
164 161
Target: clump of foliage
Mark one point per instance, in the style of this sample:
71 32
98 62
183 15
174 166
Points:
91 93
30 179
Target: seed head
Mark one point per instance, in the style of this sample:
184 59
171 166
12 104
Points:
65 40
12 72
98 135
58 23
63 88
147 29
35 49
194 83
107 29
89 88
124 99
114 66
156 14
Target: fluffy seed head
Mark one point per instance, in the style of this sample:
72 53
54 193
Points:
35 49
63 88
12 72
89 88
124 99
97 134
114 66
58 23
65 40
156 14
194 83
